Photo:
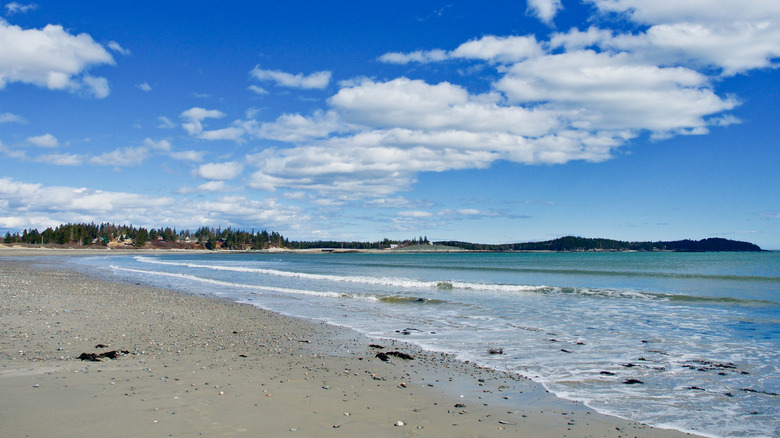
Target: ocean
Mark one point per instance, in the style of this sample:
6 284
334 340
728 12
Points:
689 341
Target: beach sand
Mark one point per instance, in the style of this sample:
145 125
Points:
209 367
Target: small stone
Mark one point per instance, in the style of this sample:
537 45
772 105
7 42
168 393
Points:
399 423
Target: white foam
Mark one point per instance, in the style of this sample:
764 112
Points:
406 283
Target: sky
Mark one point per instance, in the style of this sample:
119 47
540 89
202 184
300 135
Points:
499 122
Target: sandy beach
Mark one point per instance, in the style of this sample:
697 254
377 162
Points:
194 366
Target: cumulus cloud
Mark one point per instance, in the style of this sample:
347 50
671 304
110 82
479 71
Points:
418 56
220 171
144 87
499 49
544 10
194 117
731 35
193 124
317 80
44 141
666 11
488 48
605 91
51 58
580 95
297 128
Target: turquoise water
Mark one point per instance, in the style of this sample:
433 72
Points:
700 331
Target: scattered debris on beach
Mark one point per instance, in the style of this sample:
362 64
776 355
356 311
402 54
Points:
94 357
385 356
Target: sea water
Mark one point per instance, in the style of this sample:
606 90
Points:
689 341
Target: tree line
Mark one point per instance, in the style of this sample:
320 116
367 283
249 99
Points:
101 235
232 239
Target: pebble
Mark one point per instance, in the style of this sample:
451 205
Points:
399 423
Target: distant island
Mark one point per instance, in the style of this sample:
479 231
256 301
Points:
572 244
124 236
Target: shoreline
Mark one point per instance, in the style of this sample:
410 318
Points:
210 366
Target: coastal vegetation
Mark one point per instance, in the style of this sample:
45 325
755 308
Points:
118 236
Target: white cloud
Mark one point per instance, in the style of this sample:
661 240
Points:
113 45
12 153
230 133
15 7
488 48
194 117
121 157
11 118
604 91
415 214
544 10
166 123
733 35
215 186
44 141
162 145
499 49
417 56
296 128
414 104
51 58
61 159
377 136
97 86
207 187
220 171
317 80
666 11
144 86
258 90
192 156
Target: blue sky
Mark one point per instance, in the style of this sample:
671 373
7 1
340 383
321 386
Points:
359 120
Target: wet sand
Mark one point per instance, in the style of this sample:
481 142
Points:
200 366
